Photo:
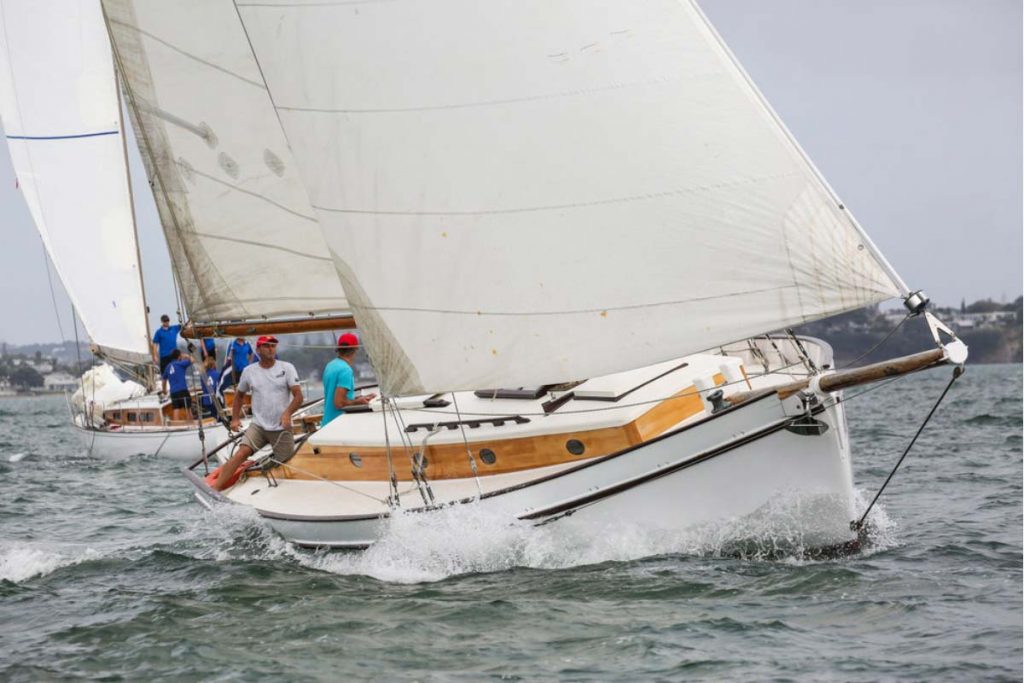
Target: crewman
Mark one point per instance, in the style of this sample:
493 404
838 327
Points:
165 340
271 382
339 380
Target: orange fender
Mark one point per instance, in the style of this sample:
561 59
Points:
211 478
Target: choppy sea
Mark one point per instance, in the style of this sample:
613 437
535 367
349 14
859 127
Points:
110 571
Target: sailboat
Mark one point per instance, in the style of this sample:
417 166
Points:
62 119
566 232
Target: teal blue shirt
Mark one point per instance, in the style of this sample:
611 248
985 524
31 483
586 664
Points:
337 374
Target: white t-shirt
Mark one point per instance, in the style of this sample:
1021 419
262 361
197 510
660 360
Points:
271 391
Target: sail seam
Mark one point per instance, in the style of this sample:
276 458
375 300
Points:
483 103
257 195
186 54
607 309
235 240
559 207
72 136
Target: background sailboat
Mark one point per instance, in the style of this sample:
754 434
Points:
62 118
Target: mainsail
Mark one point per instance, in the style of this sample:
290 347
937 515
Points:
62 120
521 192
244 242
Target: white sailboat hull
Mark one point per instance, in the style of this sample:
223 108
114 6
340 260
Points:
176 444
737 467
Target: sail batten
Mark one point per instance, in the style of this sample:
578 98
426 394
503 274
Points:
62 123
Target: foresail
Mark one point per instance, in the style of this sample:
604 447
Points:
528 191
61 118
244 242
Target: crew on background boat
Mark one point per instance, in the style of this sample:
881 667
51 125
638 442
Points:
165 340
240 355
271 382
175 373
339 380
209 348
211 381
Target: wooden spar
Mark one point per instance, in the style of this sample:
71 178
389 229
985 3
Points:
864 375
253 327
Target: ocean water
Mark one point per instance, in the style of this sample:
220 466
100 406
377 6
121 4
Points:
109 571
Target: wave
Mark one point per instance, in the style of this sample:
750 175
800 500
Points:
23 561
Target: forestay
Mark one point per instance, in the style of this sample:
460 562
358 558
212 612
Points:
61 117
243 239
528 191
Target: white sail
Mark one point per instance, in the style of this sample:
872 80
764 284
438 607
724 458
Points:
243 239
528 191
62 120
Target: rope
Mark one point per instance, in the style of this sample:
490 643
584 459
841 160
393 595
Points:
859 524
329 481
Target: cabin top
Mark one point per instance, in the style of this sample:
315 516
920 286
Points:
608 401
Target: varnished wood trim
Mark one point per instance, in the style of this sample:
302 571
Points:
246 329
450 461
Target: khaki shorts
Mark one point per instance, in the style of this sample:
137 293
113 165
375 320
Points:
281 441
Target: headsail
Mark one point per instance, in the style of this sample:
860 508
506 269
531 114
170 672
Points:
62 120
527 192
243 239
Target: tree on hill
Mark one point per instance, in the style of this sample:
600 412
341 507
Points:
984 306
25 376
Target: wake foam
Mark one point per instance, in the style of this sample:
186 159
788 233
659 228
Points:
22 561
470 539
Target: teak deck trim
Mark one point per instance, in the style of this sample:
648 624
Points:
450 461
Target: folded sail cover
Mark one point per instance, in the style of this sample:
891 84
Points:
62 121
243 239
528 191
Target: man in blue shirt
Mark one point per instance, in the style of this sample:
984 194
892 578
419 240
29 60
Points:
165 340
240 354
210 383
209 348
175 374
339 380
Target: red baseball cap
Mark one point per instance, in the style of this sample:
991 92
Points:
348 339
265 340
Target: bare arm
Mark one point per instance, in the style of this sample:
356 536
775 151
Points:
286 416
341 398
236 409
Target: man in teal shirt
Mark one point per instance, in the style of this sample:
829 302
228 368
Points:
339 380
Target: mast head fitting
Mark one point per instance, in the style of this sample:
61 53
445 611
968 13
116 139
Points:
916 302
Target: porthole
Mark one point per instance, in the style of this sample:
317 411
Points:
355 459
488 456
575 446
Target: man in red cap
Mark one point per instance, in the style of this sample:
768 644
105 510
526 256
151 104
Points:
339 380
272 383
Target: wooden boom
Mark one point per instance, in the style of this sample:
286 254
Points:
857 376
249 328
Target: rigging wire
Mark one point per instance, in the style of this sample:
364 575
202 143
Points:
957 372
387 450
469 452
53 295
874 348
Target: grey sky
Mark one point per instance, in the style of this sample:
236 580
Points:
910 108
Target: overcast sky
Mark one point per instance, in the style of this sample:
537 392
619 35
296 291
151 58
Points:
910 108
